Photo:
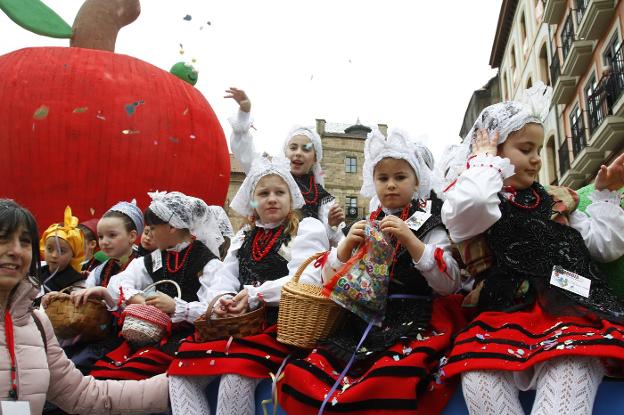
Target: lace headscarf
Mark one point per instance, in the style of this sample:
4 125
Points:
70 233
504 117
222 221
396 146
264 166
131 210
187 212
315 139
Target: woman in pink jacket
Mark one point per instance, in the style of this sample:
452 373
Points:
33 369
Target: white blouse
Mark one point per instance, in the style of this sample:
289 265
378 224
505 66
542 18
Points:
212 281
244 150
311 238
472 206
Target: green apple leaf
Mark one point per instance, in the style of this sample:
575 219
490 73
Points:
36 17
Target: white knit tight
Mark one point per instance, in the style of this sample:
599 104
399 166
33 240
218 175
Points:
565 385
237 395
188 395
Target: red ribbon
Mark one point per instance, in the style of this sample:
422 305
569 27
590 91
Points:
438 255
322 260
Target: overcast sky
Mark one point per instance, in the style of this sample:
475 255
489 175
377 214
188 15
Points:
409 64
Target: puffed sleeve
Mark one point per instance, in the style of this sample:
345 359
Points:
472 204
213 281
241 140
442 274
131 280
311 238
602 227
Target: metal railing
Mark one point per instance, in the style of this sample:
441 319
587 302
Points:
608 91
567 36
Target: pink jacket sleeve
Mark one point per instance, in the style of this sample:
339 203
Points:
75 393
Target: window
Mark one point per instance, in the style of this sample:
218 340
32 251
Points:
351 164
543 65
592 103
577 127
567 36
610 52
523 36
351 207
512 57
550 159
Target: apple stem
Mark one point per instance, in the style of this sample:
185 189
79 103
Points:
98 22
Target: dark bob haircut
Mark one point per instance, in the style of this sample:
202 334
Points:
12 218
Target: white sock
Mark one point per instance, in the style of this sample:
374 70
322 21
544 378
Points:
188 395
237 395
489 392
568 385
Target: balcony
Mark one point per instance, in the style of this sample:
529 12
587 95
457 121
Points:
564 89
594 19
581 6
567 36
578 57
606 125
554 11
555 67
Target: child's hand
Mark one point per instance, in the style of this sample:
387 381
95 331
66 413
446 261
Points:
483 144
612 177
240 303
45 300
240 97
136 299
220 309
162 302
396 227
336 215
354 238
80 297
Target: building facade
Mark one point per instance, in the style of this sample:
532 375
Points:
520 51
587 68
343 159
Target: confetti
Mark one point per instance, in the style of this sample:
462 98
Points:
100 116
128 132
480 336
212 363
188 17
173 139
186 111
334 401
407 350
209 351
608 336
192 136
267 357
180 364
396 357
92 210
520 352
80 110
41 112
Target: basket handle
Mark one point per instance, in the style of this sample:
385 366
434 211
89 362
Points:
163 281
67 288
305 264
213 302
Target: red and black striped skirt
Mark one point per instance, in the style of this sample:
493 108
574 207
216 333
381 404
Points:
402 380
519 340
252 356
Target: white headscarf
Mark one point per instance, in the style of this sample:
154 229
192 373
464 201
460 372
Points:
220 217
315 139
187 212
504 117
396 146
260 167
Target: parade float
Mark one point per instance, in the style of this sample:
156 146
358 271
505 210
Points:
85 126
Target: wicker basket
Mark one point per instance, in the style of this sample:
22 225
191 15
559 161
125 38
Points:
145 324
240 325
305 314
92 320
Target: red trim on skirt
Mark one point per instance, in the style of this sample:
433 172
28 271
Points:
521 339
402 379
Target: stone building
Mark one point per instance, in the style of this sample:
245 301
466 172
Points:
343 158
